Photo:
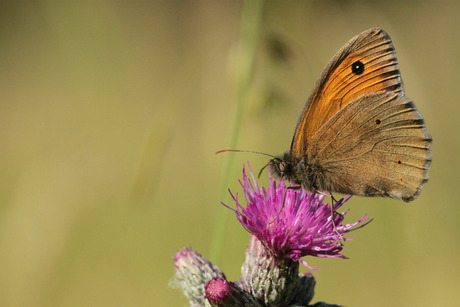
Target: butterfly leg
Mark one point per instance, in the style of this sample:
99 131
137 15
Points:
333 201
295 187
262 169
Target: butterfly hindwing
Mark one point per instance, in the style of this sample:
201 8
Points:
377 145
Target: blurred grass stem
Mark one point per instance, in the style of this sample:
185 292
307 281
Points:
251 19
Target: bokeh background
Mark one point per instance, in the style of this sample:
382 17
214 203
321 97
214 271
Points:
110 115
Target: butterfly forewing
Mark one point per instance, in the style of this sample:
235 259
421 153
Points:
366 64
375 146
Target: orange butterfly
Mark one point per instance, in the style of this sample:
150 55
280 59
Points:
358 134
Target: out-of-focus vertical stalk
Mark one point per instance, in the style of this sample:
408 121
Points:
251 19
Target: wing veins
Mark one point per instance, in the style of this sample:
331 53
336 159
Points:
337 133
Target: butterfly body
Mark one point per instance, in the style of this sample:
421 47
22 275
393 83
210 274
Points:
302 171
358 134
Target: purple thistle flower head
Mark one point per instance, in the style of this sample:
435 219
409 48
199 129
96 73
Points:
305 226
217 289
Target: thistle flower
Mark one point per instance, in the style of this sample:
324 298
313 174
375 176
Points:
272 281
221 292
192 272
285 224
291 223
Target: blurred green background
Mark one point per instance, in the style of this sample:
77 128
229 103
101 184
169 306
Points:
110 115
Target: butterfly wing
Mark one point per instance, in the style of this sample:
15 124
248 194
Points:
366 64
377 145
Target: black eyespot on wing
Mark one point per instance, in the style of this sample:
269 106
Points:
378 121
399 162
357 67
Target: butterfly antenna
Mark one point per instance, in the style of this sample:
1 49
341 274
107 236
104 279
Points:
250 151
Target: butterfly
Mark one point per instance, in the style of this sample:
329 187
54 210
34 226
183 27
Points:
358 133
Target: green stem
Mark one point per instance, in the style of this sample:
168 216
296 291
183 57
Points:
251 21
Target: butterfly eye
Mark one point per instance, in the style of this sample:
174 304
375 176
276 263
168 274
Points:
357 67
282 167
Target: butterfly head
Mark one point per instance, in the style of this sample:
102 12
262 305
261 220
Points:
284 167
298 171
